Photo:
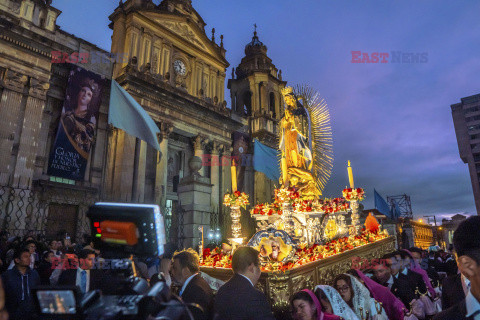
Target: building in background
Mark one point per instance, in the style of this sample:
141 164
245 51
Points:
162 56
416 234
466 119
33 93
448 227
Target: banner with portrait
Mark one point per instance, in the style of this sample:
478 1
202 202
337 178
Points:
77 125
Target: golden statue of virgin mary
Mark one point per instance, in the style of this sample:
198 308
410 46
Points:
296 159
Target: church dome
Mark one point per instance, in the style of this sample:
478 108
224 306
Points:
255 46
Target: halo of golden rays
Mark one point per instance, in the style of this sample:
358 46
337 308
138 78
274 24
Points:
321 133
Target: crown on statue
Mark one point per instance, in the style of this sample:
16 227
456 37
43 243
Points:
287 91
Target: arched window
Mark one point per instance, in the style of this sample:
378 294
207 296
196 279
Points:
247 103
271 106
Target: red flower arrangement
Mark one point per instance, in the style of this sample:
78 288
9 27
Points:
286 195
357 194
335 205
236 198
217 259
267 209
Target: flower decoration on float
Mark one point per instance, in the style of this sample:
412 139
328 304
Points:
218 258
236 199
289 195
267 209
352 194
316 205
335 205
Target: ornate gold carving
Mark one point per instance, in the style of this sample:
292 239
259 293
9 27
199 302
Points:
303 281
280 286
279 293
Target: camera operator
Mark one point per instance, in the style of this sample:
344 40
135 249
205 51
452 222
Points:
185 271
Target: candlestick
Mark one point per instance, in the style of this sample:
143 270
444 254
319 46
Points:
350 175
200 247
234 176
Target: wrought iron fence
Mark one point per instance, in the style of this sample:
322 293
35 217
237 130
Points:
26 210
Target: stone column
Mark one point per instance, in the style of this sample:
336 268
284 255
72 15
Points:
198 145
194 193
10 103
215 176
162 159
30 131
139 179
123 166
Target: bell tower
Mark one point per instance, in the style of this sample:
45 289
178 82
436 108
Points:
255 91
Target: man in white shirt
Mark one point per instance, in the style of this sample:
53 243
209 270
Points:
82 275
238 298
185 271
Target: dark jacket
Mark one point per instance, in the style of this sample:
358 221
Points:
44 271
239 300
69 278
18 296
452 291
405 286
456 312
198 291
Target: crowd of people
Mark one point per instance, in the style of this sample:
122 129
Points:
405 284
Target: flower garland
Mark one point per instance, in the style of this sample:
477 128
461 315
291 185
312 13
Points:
352 194
308 205
218 259
299 205
237 198
267 209
286 195
335 205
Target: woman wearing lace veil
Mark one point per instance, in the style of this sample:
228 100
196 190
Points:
363 302
333 303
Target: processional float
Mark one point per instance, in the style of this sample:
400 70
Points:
303 240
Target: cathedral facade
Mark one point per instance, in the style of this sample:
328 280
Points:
176 72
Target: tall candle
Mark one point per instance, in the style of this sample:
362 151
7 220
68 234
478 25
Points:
284 171
234 176
350 175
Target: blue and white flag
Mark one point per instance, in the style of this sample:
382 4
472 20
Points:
381 205
127 114
265 159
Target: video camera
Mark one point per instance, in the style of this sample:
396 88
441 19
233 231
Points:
120 231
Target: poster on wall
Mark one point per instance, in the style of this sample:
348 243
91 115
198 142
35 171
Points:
77 125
